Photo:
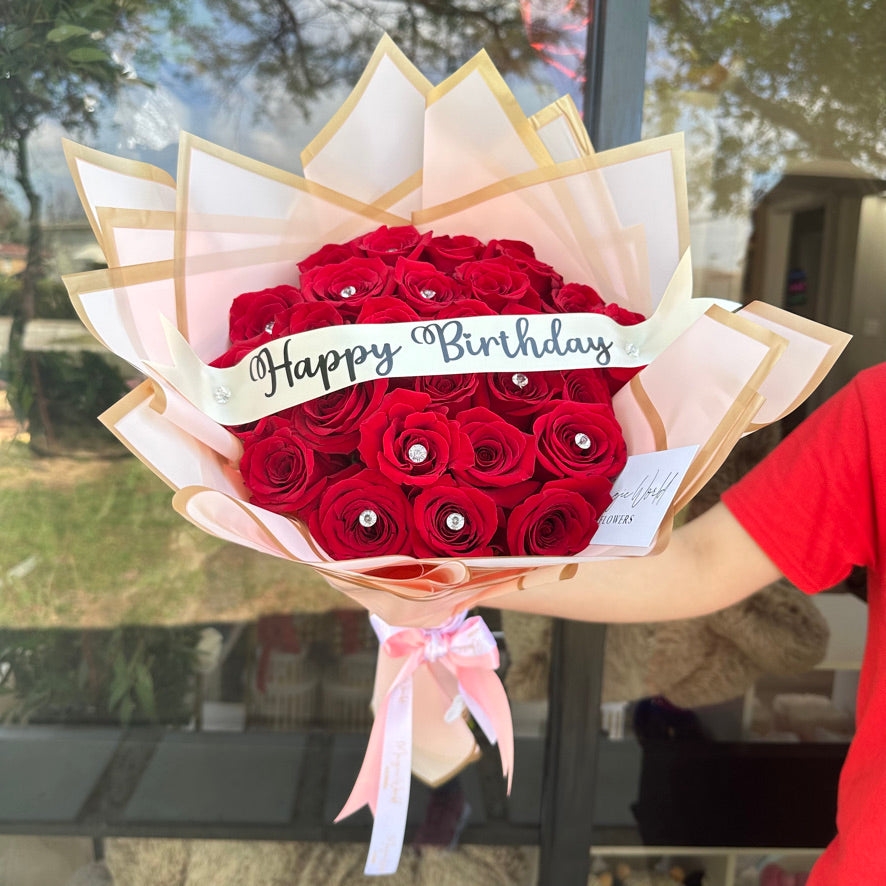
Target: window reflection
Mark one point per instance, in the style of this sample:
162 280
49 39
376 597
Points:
154 679
783 108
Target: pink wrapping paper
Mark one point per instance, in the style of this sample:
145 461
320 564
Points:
458 158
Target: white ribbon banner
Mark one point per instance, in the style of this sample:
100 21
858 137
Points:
298 368
292 370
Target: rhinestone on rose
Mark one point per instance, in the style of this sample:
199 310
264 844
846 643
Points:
417 453
269 327
428 293
455 521
582 441
632 350
368 518
348 291
519 380
221 394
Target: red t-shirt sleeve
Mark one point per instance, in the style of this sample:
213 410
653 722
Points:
810 504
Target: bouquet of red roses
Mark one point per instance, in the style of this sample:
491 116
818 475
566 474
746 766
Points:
409 398
461 465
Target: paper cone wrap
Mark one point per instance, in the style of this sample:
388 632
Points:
456 158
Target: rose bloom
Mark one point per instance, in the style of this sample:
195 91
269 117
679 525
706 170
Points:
362 514
330 254
621 315
453 521
497 281
424 288
254 312
560 520
542 277
579 440
238 351
449 393
518 396
618 376
577 298
467 307
410 443
519 308
390 244
513 248
386 309
447 253
503 455
586 386
332 422
348 284
280 469
306 316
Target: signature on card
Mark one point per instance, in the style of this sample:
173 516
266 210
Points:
653 487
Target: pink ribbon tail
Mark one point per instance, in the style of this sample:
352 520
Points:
365 790
462 657
485 688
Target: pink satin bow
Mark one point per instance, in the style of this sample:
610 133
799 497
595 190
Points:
462 656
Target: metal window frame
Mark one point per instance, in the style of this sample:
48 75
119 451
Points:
613 102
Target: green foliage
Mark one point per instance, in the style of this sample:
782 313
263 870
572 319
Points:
297 50
128 675
78 387
56 55
782 80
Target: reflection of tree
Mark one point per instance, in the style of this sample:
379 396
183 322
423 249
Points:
57 64
798 79
293 51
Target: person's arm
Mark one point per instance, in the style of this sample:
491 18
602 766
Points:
709 564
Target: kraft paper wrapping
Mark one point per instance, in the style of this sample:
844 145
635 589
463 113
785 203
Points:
456 158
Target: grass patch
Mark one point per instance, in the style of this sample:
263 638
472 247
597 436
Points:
97 543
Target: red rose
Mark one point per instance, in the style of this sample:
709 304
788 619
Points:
618 376
467 307
279 468
519 394
309 315
332 422
453 521
362 515
586 386
449 393
508 497
330 254
518 308
513 248
621 315
254 312
560 520
348 284
447 253
497 281
410 443
577 298
424 288
542 277
386 309
238 351
580 440
503 455
389 244
262 428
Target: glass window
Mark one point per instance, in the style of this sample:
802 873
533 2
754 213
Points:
154 679
783 105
